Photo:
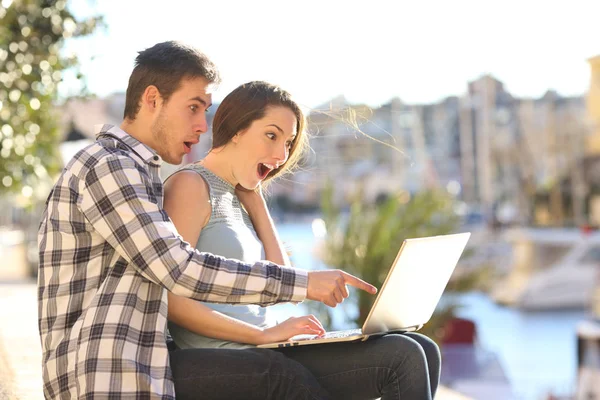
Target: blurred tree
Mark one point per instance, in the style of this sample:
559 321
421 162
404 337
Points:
365 243
32 35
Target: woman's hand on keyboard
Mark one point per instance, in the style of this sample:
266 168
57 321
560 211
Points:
305 325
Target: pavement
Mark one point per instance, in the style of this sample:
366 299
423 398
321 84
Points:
20 349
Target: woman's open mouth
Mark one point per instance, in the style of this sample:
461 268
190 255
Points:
263 170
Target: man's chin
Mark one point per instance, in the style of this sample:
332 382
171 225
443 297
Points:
172 160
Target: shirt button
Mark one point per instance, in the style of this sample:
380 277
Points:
155 158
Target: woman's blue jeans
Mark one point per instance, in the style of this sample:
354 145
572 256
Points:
396 366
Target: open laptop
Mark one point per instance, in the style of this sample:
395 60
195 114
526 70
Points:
409 295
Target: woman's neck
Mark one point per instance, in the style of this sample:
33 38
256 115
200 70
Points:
219 164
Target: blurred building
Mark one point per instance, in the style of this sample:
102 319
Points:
591 165
484 110
384 150
518 159
551 144
593 103
523 156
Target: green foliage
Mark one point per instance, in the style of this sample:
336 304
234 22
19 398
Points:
32 35
365 243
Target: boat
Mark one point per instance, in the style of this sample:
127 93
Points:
553 269
569 283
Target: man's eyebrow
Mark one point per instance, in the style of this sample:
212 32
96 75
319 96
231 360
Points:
201 101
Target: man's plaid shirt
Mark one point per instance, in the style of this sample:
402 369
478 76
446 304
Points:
107 253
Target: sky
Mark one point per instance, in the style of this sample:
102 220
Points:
369 51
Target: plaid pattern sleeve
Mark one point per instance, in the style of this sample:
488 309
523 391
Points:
107 251
116 200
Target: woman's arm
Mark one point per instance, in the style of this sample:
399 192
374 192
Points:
255 205
187 204
205 321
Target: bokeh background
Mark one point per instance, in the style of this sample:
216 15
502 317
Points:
425 118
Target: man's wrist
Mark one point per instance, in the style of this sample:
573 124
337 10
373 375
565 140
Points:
301 290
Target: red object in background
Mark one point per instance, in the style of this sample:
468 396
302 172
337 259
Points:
587 229
459 331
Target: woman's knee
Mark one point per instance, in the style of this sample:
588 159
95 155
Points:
430 348
408 361
403 350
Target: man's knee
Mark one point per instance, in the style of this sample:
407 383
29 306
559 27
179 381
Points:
249 373
286 369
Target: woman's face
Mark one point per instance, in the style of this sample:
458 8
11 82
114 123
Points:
264 146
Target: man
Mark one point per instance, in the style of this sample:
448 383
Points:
109 253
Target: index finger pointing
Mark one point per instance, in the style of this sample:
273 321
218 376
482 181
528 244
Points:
359 283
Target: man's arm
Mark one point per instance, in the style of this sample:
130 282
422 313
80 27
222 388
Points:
124 211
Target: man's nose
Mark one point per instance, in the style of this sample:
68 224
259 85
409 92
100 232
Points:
202 125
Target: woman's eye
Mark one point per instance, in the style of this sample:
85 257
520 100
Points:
288 145
271 136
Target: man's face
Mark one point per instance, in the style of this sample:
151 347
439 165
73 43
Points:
181 120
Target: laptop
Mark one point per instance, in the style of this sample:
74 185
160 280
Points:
409 295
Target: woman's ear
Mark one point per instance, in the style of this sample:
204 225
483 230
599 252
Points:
237 136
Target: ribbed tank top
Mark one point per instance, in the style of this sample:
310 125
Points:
228 233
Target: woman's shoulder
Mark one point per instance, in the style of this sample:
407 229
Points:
187 180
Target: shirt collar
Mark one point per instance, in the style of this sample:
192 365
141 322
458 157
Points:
146 153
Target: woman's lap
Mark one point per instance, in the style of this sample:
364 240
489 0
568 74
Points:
390 366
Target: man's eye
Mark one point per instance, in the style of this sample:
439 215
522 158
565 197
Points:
193 108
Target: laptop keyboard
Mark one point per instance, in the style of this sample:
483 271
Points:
331 335
342 334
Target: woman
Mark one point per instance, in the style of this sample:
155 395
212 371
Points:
258 134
